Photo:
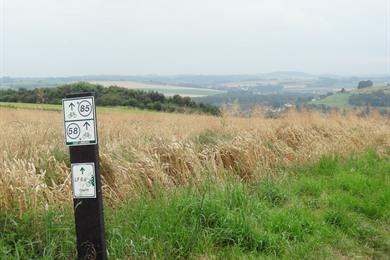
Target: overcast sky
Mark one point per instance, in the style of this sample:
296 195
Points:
73 37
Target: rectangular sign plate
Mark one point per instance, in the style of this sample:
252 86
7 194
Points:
79 121
83 180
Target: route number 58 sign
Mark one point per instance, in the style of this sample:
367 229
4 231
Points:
79 119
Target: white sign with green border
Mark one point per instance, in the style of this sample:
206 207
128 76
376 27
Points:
79 121
83 180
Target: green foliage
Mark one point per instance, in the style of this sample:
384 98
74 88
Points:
365 84
111 96
376 99
211 137
46 165
331 209
44 234
272 193
247 99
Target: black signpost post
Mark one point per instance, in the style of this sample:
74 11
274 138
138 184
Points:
79 115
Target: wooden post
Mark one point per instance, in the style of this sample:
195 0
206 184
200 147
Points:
81 136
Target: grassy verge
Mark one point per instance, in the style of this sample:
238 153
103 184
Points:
330 209
48 107
52 107
336 100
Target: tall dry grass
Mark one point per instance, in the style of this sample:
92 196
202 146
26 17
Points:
142 150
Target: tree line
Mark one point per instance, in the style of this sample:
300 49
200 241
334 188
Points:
248 99
110 96
376 99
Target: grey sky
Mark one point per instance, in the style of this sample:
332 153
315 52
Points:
73 37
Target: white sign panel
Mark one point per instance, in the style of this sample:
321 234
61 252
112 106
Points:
83 180
80 123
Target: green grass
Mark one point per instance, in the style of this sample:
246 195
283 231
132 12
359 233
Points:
336 100
331 209
51 107
341 100
384 88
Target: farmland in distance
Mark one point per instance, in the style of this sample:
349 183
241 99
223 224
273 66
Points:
168 90
199 186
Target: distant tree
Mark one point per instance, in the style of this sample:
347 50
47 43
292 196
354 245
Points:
376 99
40 96
155 106
365 84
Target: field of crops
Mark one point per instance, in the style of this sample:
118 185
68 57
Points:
141 150
144 153
167 90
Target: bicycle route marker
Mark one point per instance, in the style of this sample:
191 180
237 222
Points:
79 120
83 180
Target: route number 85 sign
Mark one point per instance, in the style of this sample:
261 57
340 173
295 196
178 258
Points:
79 120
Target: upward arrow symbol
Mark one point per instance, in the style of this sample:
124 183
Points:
82 170
86 124
71 105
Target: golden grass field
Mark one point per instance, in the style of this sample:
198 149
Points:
139 151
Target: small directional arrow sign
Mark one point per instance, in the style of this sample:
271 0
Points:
86 124
71 106
83 175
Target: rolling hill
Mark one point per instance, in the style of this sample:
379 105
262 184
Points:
342 100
